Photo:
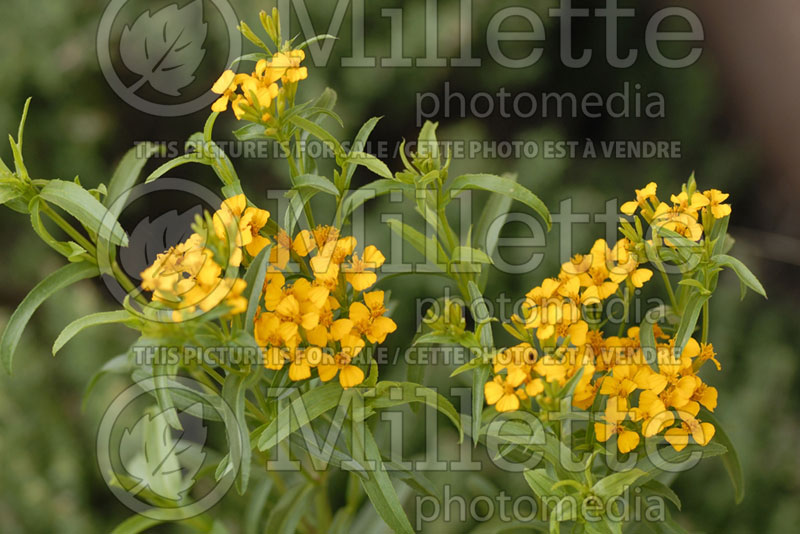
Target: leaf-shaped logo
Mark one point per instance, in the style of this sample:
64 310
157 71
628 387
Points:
165 48
160 463
151 238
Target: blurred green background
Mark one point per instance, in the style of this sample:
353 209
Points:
49 481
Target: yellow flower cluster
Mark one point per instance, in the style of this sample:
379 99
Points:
635 399
629 397
190 275
253 94
318 324
682 216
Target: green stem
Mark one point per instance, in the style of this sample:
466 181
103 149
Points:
704 338
72 232
671 294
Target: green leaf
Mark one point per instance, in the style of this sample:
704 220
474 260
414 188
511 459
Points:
731 458
358 144
251 36
95 319
540 482
126 174
469 255
315 183
373 190
119 364
161 380
233 393
386 395
65 276
256 505
481 375
426 246
79 203
319 132
370 162
289 510
378 486
481 314
9 193
745 275
427 143
648 340
502 186
653 464
68 249
315 39
255 275
177 162
309 406
475 363
136 524
616 484
654 487
688 321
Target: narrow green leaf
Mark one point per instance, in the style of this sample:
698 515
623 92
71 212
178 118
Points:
359 143
654 487
255 507
378 485
688 321
65 276
316 183
95 319
616 484
502 186
426 246
136 524
741 270
386 395
289 511
177 162
315 39
233 393
119 364
311 404
731 458
255 275
370 162
79 203
319 132
470 255
540 482
373 190
9 193
127 173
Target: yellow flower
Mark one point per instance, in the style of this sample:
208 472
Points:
358 273
596 278
368 318
290 62
654 414
642 196
627 439
715 203
543 308
341 363
502 394
226 86
302 362
625 265
273 335
699 431
674 220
